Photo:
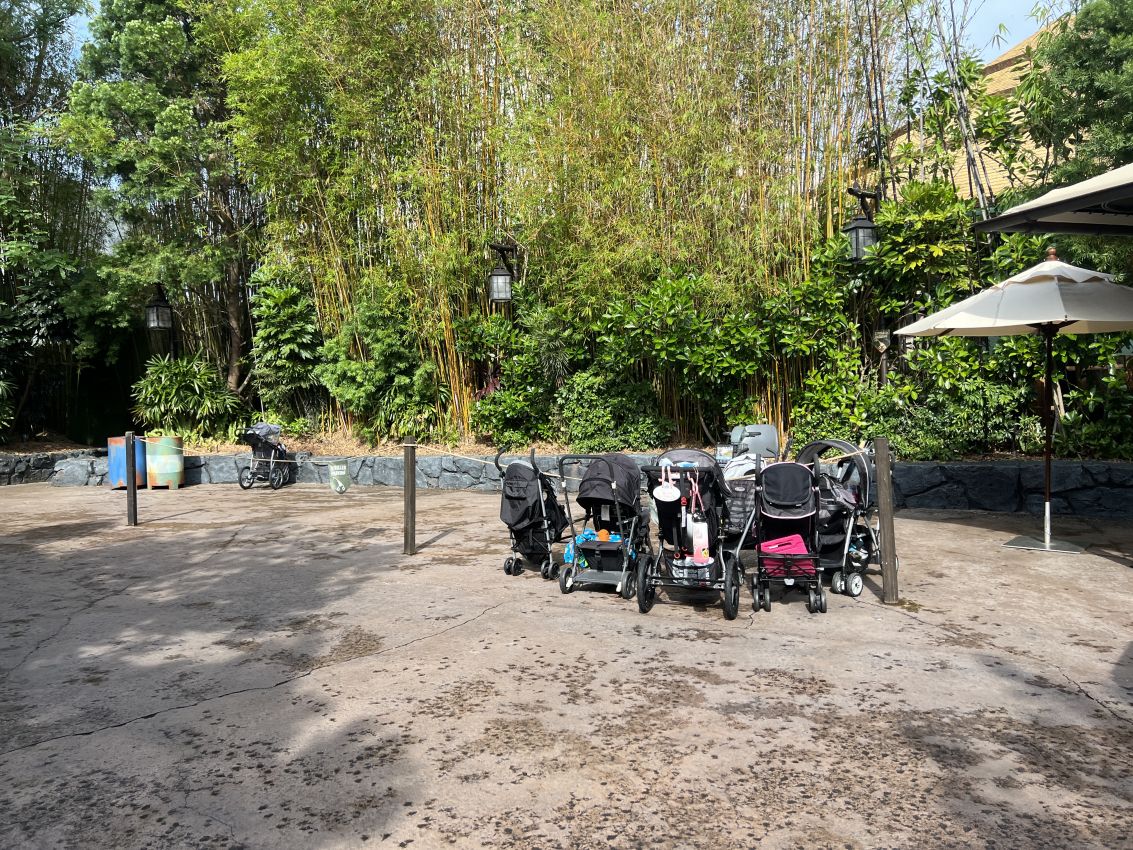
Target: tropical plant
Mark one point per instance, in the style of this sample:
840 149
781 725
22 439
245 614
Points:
186 396
599 412
285 349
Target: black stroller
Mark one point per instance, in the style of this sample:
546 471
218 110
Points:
785 522
688 491
610 496
848 527
531 511
270 461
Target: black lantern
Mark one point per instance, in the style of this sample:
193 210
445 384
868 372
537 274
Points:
863 235
862 232
499 285
501 277
159 313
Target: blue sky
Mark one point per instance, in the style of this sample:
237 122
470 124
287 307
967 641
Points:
985 22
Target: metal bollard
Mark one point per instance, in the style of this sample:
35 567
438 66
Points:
410 515
885 518
131 482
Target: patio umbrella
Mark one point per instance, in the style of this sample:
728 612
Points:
1051 298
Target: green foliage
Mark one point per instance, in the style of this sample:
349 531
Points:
1079 92
186 396
285 348
375 371
6 405
599 413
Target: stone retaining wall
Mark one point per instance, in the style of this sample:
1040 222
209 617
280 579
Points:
1083 489
41 466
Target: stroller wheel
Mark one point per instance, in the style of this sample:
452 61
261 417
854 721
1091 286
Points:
854 584
245 478
508 562
811 601
821 601
767 599
732 584
276 477
566 579
545 569
838 582
646 593
629 586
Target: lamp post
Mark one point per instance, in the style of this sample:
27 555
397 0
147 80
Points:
159 317
863 236
501 277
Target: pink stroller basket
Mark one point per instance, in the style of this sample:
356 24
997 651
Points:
787 567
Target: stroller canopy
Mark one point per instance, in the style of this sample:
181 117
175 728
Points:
523 491
788 491
267 431
854 467
703 460
605 471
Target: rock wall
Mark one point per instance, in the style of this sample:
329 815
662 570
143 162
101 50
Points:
41 466
1078 488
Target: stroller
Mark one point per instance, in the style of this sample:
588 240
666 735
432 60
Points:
270 461
690 495
531 511
848 535
610 551
785 522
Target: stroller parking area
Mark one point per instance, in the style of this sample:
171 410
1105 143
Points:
267 669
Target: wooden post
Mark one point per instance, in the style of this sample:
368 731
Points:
885 517
410 515
131 481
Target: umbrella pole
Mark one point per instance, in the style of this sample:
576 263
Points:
1048 419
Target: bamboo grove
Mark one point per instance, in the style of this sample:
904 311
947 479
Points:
610 141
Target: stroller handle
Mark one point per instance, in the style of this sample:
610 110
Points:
500 453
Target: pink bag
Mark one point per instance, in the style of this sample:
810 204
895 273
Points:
792 545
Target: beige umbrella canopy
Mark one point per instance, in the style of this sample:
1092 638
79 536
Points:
1050 298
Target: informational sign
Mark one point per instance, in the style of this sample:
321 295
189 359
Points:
881 340
339 476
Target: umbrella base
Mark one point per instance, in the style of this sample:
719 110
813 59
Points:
1038 544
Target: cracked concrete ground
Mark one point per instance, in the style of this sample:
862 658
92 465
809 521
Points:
267 670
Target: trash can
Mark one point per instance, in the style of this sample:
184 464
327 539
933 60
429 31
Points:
117 449
165 462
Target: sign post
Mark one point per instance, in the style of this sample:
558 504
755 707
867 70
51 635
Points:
885 519
131 482
410 496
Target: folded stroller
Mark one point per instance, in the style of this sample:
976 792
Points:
786 534
610 550
531 511
848 526
270 461
690 496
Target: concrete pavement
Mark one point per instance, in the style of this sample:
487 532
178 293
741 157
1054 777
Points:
267 669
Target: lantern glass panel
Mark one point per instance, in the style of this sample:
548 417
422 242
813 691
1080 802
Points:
159 317
499 285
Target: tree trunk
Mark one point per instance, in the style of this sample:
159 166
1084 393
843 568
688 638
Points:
235 310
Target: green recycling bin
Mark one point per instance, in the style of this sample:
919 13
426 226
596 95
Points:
165 462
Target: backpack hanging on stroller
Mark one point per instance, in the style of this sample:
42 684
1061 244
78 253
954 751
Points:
609 552
531 511
270 461
786 534
848 534
690 495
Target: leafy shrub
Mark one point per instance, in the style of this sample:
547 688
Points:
374 369
185 396
285 348
599 413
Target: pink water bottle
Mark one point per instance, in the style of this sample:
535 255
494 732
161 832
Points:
700 555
